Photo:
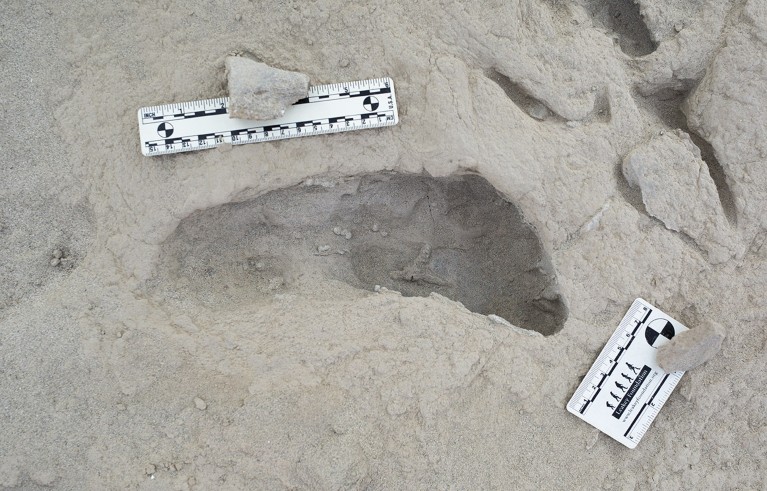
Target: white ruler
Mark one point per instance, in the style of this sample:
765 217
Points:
197 125
625 388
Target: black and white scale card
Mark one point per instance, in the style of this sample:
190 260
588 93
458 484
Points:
333 108
625 388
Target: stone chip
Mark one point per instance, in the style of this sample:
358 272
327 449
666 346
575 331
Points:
691 348
260 92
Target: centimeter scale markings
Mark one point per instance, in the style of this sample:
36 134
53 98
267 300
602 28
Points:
333 108
625 388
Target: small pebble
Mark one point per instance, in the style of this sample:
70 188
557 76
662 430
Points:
678 27
347 234
238 17
384 233
344 62
260 265
200 404
337 230
377 288
375 227
323 248
55 261
58 254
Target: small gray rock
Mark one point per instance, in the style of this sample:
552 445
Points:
260 92
691 348
200 404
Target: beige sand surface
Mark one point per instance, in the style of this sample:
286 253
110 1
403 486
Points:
165 323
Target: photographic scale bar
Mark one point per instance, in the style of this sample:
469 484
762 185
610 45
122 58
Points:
625 388
198 125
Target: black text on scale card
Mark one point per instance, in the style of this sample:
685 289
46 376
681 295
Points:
625 388
199 125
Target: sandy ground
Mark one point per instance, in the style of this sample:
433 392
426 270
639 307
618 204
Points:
167 323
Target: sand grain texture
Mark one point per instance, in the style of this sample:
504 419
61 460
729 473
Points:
133 362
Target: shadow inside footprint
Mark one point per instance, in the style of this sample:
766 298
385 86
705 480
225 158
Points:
412 233
623 17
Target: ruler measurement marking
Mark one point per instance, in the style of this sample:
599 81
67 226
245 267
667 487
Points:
260 135
632 397
206 142
202 124
627 319
649 404
170 112
293 125
660 386
635 420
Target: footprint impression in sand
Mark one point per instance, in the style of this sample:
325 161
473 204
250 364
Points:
456 236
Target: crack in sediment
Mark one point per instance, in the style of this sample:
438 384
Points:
718 175
666 105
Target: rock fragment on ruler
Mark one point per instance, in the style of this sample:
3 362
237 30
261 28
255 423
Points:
260 92
691 348
678 190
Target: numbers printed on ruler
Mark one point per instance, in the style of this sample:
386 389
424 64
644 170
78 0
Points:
198 125
625 388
